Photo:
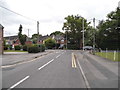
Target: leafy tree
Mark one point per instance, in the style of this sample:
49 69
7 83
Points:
57 33
109 30
50 43
35 37
73 28
21 37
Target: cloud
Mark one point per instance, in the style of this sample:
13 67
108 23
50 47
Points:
51 13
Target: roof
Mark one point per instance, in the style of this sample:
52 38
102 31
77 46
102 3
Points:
58 37
11 37
43 37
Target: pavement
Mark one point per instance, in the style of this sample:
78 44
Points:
100 72
62 69
10 58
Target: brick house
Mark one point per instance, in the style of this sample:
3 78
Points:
58 38
14 40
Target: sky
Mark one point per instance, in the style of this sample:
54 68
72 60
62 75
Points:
49 13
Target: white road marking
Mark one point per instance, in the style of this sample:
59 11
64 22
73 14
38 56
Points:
46 64
84 77
18 82
58 56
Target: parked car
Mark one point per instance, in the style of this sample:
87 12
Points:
88 48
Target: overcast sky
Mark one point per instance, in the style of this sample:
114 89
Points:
50 13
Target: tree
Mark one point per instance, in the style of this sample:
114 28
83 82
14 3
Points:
57 33
50 43
35 37
73 28
21 37
107 36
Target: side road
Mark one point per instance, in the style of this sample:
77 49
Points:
10 58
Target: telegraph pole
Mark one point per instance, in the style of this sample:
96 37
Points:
38 30
28 35
66 39
28 32
83 32
94 33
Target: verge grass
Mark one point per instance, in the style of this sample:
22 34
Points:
109 55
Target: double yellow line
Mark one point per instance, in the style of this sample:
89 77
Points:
74 61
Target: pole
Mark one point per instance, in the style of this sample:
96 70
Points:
66 39
28 33
38 31
94 34
83 33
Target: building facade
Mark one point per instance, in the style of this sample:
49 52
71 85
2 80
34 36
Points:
1 39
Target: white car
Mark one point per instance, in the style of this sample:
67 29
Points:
88 47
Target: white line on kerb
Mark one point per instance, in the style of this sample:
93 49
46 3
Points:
45 64
86 81
18 82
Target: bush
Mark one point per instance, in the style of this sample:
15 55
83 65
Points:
33 49
18 47
25 47
50 43
42 48
10 47
6 47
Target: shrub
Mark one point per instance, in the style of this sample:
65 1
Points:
18 47
50 43
6 47
42 48
25 47
33 49
10 47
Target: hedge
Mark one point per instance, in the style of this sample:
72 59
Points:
33 49
18 47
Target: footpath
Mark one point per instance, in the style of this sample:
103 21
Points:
10 58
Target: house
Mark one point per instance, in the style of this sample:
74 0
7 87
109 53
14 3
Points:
12 40
58 38
42 38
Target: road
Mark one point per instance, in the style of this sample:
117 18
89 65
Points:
62 69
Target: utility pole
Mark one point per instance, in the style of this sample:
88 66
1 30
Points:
94 33
66 39
83 32
38 30
28 35
119 4
28 32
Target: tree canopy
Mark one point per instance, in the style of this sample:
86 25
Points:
21 37
57 33
109 30
73 29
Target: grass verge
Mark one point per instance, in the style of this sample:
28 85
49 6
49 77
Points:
109 55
